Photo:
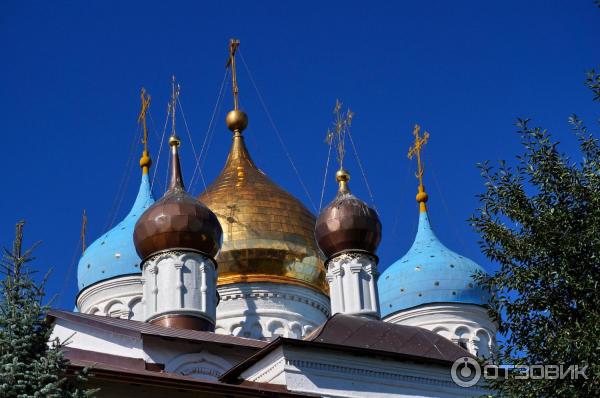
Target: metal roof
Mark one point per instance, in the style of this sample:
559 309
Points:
388 338
179 383
139 329
362 336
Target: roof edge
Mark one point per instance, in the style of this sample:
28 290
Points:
233 374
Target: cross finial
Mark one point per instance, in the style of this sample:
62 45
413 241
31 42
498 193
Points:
416 149
341 124
83 230
233 45
145 161
236 120
175 88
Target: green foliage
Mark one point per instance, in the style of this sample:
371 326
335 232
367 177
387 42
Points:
540 221
29 366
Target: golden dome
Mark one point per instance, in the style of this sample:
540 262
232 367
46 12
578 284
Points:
268 235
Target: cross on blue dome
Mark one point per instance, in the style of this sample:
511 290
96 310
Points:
113 254
429 272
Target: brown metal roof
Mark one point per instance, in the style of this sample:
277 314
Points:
361 336
139 329
111 373
359 332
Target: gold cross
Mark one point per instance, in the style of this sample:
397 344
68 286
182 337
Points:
142 117
176 88
416 149
233 45
341 124
83 230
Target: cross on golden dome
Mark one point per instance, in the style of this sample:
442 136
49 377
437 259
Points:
236 120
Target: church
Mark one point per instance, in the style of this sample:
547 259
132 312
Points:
243 292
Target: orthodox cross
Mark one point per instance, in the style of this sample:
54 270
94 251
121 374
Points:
416 149
341 124
173 104
83 230
142 117
233 45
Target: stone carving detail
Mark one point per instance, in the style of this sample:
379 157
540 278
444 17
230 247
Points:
201 365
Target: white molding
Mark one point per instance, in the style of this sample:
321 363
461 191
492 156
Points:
257 310
340 374
200 365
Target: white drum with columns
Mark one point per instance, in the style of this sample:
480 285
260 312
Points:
179 282
267 310
119 297
352 280
467 325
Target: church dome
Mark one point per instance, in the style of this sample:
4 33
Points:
177 220
268 234
114 254
347 223
429 273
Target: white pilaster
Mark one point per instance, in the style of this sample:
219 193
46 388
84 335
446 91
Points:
171 285
352 278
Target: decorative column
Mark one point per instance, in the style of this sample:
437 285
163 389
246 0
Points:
172 295
352 284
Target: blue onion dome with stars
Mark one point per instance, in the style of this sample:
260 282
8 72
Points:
429 272
113 254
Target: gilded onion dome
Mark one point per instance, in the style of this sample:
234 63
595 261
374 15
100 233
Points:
267 233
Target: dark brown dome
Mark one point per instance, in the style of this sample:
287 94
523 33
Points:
347 223
177 220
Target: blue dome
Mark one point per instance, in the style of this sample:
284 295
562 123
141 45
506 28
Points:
113 254
429 273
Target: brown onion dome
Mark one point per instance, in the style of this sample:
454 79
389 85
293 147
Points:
347 223
177 220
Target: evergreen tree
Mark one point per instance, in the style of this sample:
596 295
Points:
30 366
540 221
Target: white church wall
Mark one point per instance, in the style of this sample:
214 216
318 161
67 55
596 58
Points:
267 310
337 374
197 360
465 324
86 337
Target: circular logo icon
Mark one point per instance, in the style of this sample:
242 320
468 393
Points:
465 372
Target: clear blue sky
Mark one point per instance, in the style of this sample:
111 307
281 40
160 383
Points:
72 71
